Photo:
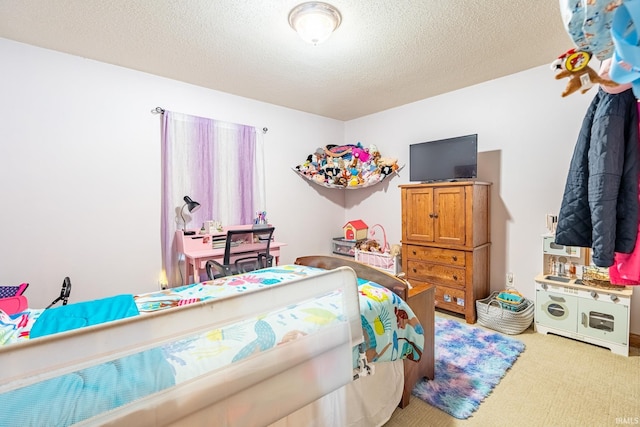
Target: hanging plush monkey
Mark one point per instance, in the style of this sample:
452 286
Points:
574 64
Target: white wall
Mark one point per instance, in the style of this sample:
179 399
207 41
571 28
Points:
526 135
80 172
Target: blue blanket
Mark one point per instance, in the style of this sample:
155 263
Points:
74 397
82 314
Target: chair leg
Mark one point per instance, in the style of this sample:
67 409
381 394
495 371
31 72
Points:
265 261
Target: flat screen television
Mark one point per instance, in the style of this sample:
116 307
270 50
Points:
451 159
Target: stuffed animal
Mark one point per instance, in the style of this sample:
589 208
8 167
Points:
574 64
387 165
583 80
318 155
360 154
347 165
338 151
369 245
388 161
340 180
395 250
362 245
371 177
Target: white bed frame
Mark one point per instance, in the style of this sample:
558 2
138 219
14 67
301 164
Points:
275 382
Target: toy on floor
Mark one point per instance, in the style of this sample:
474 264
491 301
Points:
574 64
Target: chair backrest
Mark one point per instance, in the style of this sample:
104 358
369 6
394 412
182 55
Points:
261 235
237 259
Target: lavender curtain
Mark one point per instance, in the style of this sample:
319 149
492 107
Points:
219 165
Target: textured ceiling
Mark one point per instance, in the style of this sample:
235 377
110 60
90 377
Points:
386 53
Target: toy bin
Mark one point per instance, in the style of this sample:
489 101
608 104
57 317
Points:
341 246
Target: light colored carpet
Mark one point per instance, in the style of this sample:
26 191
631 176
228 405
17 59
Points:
556 381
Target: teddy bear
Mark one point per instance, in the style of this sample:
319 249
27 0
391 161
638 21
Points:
395 250
369 245
374 246
362 245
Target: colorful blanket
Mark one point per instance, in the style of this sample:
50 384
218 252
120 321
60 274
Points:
16 328
390 327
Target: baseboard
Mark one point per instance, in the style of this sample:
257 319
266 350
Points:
634 340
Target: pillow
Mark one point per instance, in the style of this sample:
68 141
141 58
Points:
81 314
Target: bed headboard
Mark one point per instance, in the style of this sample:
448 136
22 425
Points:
363 271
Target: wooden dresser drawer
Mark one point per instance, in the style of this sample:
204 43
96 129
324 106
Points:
450 299
436 273
442 256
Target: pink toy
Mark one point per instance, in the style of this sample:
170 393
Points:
360 154
13 305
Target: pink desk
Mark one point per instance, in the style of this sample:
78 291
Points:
197 250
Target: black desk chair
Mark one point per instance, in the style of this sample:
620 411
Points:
261 258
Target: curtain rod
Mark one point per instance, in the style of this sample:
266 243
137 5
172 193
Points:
160 110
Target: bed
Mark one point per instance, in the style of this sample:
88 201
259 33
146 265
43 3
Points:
139 369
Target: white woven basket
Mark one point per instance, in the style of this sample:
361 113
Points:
492 315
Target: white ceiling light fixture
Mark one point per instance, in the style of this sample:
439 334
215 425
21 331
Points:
314 21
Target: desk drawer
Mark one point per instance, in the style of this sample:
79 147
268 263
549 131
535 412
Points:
441 256
436 273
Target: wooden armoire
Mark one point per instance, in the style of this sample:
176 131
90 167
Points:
446 242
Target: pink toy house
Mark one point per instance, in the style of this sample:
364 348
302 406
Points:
355 230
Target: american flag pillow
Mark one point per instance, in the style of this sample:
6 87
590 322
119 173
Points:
12 291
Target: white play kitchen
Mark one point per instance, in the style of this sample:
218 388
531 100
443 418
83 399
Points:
573 301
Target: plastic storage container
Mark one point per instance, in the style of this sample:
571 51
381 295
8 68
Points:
341 246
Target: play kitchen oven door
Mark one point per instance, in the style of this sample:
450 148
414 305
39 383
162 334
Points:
589 314
603 319
556 310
